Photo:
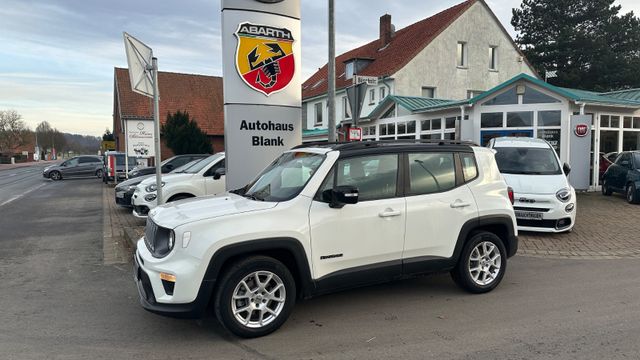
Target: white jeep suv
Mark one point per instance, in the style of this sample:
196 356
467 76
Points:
205 177
544 199
328 217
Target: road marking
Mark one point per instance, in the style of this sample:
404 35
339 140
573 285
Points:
21 195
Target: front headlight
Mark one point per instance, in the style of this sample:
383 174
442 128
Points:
172 239
564 195
131 187
152 187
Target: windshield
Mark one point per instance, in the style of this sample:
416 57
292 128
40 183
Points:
527 161
195 168
285 177
184 167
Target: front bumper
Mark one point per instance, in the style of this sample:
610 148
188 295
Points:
554 217
123 198
141 207
150 289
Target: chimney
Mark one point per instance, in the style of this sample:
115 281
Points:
386 30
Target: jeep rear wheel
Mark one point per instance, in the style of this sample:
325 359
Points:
482 263
255 296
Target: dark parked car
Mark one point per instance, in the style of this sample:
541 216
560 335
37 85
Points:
78 166
623 176
120 166
168 165
124 191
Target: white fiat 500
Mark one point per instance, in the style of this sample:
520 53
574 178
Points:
544 199
206 177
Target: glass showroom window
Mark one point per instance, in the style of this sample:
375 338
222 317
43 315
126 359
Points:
431 129
406 130
549 128
387 131
369 132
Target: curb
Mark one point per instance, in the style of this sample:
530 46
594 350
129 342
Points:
131 237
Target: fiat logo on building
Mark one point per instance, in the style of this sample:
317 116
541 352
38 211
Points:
581 130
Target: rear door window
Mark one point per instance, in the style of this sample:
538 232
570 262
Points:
431 173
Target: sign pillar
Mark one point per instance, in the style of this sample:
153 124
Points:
580 149
262 84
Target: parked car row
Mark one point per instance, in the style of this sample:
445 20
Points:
623 176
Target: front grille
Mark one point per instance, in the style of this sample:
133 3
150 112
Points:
157 239
150 233
524 208
551 224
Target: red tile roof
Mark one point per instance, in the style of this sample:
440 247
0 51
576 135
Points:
404 46
201 96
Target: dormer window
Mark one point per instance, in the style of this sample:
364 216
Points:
355 66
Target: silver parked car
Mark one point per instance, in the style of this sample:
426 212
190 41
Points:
79 166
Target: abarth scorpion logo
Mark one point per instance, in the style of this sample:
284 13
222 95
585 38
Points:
264 57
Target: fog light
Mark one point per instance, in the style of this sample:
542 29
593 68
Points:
167 277
150 197
569 208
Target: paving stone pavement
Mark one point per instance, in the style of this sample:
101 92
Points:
607 227
119 227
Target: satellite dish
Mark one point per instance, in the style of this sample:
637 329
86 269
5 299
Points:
140 61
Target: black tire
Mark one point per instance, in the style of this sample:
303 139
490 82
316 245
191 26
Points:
231 282
606 191
99 173
462 273
55 175
632 194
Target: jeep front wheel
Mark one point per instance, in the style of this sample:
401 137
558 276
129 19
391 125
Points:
255 296
482 263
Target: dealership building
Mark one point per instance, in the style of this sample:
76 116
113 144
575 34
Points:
521 106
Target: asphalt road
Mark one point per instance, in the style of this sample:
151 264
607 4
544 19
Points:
58 301
16 182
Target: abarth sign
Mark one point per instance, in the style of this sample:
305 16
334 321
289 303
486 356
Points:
264 57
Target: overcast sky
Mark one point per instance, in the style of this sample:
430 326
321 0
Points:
57 56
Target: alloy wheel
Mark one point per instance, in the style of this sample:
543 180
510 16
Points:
258 299
484 263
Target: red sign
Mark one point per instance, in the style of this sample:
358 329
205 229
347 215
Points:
581 130
354 134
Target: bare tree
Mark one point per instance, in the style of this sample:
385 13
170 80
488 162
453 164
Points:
13 131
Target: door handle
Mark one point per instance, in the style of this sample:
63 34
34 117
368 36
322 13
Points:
389 213
459 204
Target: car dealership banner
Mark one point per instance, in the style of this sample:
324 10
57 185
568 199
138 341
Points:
140 138
261 77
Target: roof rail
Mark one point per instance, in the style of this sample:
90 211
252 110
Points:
366 144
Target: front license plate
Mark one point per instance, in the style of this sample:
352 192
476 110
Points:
529 215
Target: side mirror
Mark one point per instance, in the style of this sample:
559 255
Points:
566 168
219 173
64 164
625 163
342 195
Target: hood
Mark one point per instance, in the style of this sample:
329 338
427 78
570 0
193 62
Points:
536 184
167 178
130 182
174 214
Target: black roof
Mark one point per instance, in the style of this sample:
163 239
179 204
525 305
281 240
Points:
393 145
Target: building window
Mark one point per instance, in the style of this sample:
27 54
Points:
383 93
549 118
491 120
349 70
372 96
318 107
532 96
462 54
509 97
473 93
346 111
493 58
520 119
428 92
